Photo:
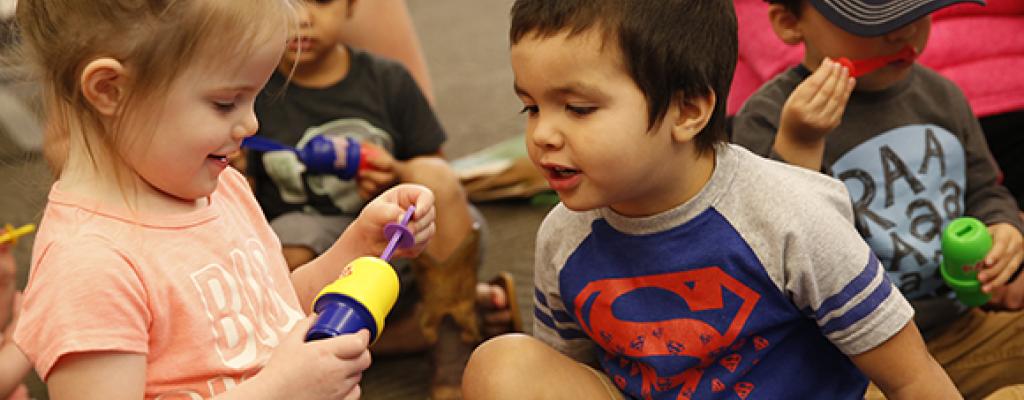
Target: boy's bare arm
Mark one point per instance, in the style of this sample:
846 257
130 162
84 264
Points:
903 368
813 110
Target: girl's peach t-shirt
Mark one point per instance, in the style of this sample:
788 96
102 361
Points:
205 296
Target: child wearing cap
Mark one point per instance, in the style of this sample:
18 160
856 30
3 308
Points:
678 266
912 155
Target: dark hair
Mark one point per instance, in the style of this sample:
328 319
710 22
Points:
668 46
793 6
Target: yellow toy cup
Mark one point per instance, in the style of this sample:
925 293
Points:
360 299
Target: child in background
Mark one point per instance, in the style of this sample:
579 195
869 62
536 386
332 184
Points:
385 28
154 274
912 155
681 266
13 365
978 48
324 87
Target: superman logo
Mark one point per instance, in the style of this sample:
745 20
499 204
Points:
760 343
743 389
707 324
620 382
730 362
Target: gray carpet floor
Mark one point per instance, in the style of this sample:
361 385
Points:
465 42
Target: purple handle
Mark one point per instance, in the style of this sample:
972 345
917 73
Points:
400 235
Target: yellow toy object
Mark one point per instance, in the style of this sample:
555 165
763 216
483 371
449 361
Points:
364 294
11 234
362 298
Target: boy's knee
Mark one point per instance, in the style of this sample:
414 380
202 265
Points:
1014 392
436 174
296 256
501 367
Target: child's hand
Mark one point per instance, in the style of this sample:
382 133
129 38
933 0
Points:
8 331
1004 258
8 295
1009 297
321 369
816 106
238 160
381 175
8 268
389 207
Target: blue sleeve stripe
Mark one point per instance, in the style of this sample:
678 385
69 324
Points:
544 318
540 298
860 311
562 316
564 333
857 285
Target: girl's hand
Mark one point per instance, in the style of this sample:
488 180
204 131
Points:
321 369
1004 258
389 207
816 106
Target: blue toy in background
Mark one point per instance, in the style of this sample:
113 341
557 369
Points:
321 154
965 243
363 296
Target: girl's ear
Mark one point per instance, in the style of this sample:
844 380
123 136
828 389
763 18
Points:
104 83
694 114
785 24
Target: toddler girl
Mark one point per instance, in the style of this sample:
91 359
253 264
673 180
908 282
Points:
154 272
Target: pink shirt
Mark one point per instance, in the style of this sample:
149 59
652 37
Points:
205 296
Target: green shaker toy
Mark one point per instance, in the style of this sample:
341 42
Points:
965 242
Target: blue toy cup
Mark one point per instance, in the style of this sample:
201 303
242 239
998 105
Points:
338 314
320 156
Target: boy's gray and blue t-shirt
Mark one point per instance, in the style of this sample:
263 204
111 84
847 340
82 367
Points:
758 287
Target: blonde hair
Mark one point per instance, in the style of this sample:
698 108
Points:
160 38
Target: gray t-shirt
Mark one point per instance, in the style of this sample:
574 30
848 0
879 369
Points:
758 283
913 158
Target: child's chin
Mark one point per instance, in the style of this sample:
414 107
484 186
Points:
577 205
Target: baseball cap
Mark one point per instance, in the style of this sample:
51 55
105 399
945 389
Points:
878 17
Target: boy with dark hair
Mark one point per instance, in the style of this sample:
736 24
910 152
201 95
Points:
678 266
324 87
913 157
